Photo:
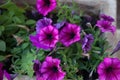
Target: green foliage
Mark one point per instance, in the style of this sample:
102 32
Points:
2 58
2 45
27 64
69 13
14 37
30 22
1 29
15 29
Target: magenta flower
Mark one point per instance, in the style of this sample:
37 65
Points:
1 71
35 41
109 69
59 25
4 73
46 6
106 18
70 34
87 42
105 26
46 39
37 67
42 23
51 69
48 36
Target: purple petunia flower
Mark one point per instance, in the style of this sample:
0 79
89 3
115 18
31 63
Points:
86 42
1 71
69 34
106 18
60 24
51 69
46 6
48 36
105 26
36 67
109 69
35 41
42 23
7 75
4 73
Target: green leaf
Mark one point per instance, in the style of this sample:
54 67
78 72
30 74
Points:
2 45
17 19
30 22
2 58
25 45
27 64
1 29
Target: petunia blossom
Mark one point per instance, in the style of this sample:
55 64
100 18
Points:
109 69
69 34
51 69
41 23
3 72
46 6
48 36
87 42
106 18
59 25
105 26
36 68
35 41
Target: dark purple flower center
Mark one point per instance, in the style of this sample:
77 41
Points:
54 69
47 2
109 69
49 36
72 35
36 67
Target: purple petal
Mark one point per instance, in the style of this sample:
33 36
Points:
7 75
117 48
46 6
42 23
60 24
87 42
1 71
36 65
105 26
69 34
49 36
35 42
107 18
109 69
51 69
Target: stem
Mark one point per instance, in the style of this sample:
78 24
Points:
52 51
94 67
37 51
83 32
55 49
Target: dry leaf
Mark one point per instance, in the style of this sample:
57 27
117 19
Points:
18 39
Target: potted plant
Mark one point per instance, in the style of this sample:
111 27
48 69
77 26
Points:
55 41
